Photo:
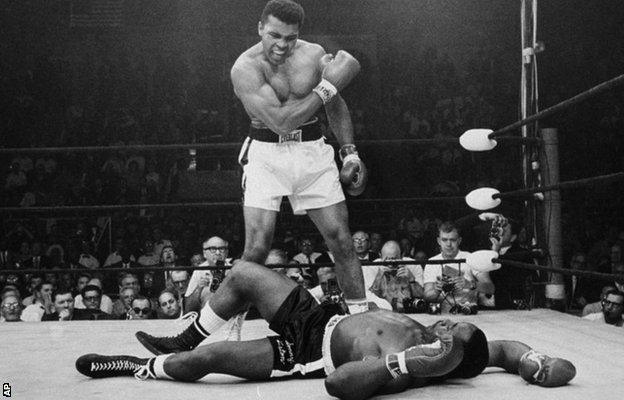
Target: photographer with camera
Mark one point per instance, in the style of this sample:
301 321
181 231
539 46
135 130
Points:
401 285
453 285
514 286
328 290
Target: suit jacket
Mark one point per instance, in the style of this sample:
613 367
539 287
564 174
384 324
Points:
43 263
84 314
585 287
7 259
511 282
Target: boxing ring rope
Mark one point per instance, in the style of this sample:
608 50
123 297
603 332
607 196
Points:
118 207
603 87
224 267
493 196
222 146
487 198
563 271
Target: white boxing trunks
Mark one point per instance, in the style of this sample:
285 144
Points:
305 171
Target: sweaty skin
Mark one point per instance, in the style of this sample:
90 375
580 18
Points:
272 86
375 334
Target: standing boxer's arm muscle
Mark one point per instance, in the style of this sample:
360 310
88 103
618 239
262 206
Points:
357 380
260 100
339 120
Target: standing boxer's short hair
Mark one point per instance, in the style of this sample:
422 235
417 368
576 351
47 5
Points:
286 11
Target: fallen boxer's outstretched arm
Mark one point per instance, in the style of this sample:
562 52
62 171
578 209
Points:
540 369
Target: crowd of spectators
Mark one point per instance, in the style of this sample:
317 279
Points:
161 284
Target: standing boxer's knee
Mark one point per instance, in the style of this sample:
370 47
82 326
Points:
343 245
255 253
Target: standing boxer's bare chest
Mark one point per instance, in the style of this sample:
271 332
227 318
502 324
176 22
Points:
291 81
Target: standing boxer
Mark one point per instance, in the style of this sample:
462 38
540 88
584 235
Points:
282 82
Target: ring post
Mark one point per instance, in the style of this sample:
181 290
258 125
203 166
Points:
555 293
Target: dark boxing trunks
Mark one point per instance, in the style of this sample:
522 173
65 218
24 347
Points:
300 323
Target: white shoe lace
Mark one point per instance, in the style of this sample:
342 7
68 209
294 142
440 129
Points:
114 365
144 373
189 316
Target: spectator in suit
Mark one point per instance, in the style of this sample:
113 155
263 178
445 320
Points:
37 260
361 243
7 256
376 242
63 306
169 306
148 257
141 309
122 305
126 261
513 285
92 297
306 254
582 290
117 255
104 301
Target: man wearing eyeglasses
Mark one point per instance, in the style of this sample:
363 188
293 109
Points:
215 251
612 309
141 308
92 298
362 245
11 309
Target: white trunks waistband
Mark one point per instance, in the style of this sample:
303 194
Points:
326 349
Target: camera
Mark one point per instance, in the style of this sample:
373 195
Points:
466 309
447 285
414 305
520 304
496 228
332 290
217 276
434 308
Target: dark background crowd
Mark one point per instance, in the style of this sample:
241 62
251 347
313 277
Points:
160 76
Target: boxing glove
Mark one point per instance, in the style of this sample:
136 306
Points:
427 360
337 73
542 370
353 174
